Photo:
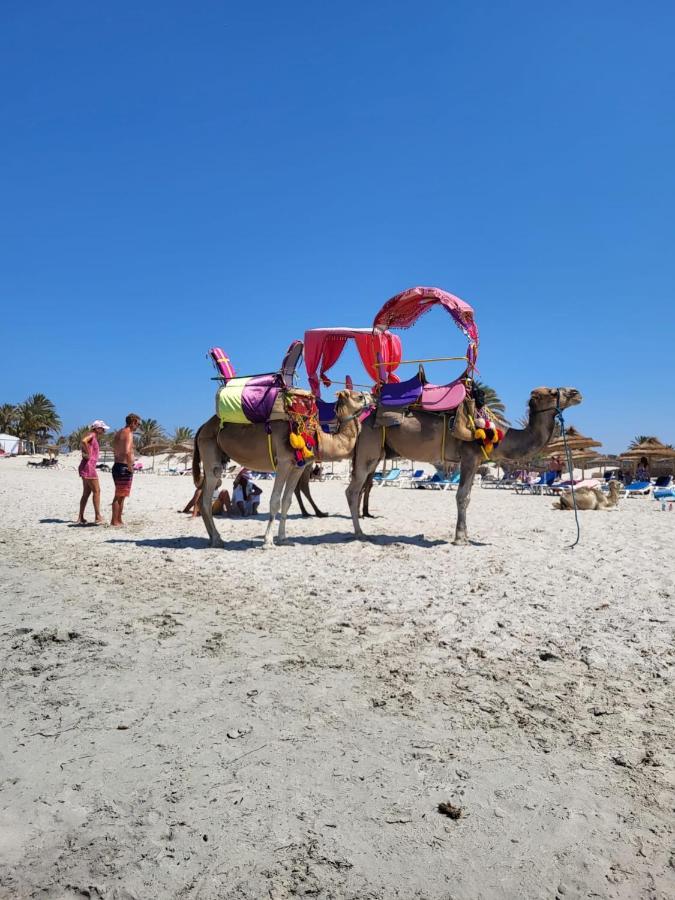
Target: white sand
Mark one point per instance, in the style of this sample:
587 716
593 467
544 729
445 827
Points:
193 723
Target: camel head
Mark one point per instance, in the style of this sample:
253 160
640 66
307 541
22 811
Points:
545 398
614 488
351 403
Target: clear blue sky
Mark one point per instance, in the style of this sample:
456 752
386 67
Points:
180 175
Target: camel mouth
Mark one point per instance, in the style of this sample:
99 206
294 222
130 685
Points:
573 397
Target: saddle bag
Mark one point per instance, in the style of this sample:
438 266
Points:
466 412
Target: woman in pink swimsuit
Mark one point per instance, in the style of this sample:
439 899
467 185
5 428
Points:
88 472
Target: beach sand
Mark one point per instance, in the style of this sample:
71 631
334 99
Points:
194 723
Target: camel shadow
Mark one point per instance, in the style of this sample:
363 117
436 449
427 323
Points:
383 540
56 522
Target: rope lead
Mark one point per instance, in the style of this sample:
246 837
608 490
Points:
570 466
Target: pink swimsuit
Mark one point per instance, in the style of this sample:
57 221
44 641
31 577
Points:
87 468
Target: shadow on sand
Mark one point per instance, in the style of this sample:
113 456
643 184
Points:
333 537
56 522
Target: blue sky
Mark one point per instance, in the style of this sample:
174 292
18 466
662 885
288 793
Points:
175 176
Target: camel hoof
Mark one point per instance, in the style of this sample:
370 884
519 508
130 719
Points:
460 542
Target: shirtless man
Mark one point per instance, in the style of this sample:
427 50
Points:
123 469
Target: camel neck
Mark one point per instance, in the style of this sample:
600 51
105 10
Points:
341 444
519 443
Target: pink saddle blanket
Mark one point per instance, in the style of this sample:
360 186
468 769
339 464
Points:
442 397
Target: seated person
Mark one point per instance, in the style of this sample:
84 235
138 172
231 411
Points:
245 497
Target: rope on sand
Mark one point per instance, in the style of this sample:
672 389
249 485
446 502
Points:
570 467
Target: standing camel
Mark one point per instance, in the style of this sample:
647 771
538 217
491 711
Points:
250 445
420 436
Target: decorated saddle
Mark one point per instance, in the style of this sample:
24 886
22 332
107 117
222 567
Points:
417 393
252 399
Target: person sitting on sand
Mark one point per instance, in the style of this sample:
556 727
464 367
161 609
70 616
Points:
245 497
88 472
194 505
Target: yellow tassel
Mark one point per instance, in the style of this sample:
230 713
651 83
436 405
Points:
479 434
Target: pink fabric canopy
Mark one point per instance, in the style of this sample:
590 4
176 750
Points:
404 310
324 346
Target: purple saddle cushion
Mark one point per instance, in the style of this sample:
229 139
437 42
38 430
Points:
402 394
326 411
258 396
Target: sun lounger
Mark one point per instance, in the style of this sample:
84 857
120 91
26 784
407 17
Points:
410 478
439 483
638 489
390 477
545 482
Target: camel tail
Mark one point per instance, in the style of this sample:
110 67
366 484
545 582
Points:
196 462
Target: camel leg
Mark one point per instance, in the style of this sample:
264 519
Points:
302 487
291 483
363 467
365 498
284 468
298 497
468 467
212 459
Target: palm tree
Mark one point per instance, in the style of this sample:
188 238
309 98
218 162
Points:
8 417
182 435
149 432
37 417
640 439
74 439
493 403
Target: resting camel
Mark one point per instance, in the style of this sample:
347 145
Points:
249 446
590 498
420 436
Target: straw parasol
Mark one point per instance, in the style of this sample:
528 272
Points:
574 439
652 449
183 448
153 450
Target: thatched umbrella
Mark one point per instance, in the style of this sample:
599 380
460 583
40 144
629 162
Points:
186 449
652 449
574 439
576 442
153 450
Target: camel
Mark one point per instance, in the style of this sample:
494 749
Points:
249 445
590 498
420 436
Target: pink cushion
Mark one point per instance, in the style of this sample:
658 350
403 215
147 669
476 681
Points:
442 397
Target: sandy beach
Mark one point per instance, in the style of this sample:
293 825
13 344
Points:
194 723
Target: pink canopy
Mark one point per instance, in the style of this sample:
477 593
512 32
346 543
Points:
404 310
324 346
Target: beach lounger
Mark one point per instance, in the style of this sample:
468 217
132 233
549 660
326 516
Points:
409 478
438 483
540 486
638 489
390 477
